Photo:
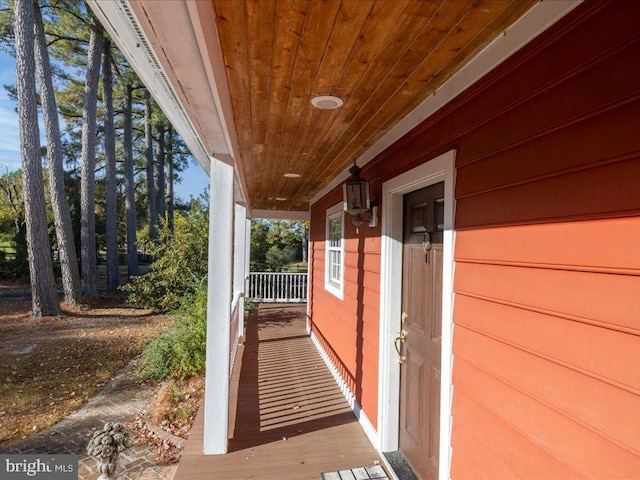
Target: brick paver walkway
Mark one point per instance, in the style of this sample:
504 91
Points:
119 401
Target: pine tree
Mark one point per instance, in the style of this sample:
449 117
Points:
62 217
43 294
110 169
89 114
170 204
151 190
159 172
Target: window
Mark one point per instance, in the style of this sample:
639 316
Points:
334 254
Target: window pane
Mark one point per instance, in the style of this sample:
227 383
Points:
333 267
335 232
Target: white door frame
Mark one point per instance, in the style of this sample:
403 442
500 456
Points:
441 168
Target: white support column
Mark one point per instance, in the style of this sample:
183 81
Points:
216 399
239 258
247 261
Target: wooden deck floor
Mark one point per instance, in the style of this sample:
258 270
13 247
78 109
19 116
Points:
290 420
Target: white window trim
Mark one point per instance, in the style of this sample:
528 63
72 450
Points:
338 291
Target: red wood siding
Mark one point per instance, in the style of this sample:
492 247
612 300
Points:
547 278
348 329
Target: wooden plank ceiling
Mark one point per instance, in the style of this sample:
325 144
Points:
382 58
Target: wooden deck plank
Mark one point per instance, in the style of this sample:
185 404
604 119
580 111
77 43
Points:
290 419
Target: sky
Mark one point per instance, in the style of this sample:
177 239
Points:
194 178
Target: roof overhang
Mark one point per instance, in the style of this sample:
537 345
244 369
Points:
175 49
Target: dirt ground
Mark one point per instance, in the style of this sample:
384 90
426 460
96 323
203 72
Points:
49 367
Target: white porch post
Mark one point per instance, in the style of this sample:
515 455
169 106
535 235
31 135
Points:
239 258
247 260
216 399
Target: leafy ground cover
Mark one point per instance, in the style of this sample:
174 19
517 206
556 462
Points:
51 366
173 410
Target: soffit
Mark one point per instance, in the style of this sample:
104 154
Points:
381 58
174 38
245 72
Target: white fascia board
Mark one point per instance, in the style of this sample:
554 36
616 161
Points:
120 22
538 19
280 214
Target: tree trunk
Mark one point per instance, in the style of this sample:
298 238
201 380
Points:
61 213
129 184
170 177
110 172
43 293
88 172
159 167
151 191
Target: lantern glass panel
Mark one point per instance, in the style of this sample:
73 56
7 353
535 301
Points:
357 197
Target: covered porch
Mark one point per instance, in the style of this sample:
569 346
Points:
500 100
288 419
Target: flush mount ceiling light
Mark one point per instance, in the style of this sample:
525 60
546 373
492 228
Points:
292 175
326 102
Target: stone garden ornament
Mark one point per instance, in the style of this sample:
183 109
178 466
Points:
106 446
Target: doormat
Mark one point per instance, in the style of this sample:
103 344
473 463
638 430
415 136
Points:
397 461
366 473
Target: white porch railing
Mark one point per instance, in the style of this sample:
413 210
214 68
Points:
270 287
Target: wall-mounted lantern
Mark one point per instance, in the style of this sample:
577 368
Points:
357 200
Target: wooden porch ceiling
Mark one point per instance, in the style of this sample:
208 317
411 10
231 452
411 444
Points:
382 58
266 59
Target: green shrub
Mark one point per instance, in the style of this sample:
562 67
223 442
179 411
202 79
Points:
250 306
180 352
14 268
180 266
277 258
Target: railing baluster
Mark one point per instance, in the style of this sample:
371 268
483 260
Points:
277 287
271 289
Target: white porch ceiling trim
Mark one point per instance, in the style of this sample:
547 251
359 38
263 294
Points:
122 25
538 19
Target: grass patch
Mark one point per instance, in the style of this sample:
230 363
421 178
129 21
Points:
298 267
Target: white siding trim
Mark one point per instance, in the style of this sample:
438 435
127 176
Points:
538 19
441 168
216 399
365 423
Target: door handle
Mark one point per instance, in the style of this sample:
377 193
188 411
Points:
400 338
426 244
